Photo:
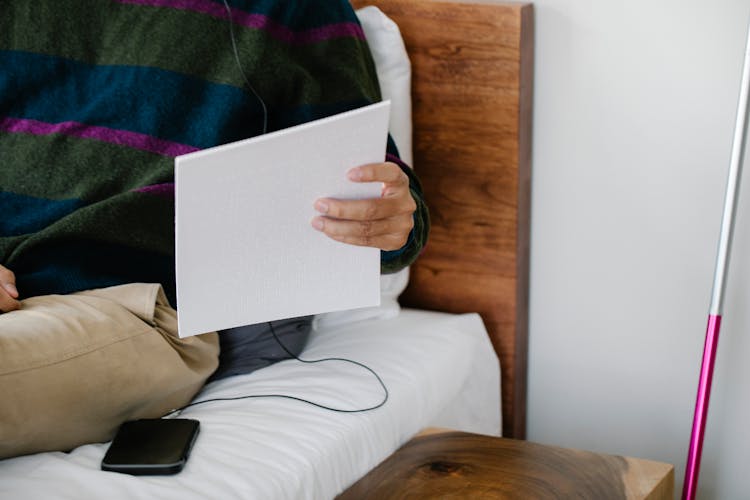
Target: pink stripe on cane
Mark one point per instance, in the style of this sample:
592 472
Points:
701 408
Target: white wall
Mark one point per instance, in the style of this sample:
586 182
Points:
633 115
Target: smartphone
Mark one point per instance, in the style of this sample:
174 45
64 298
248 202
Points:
151 446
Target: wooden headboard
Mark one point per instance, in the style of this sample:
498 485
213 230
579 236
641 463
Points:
472 74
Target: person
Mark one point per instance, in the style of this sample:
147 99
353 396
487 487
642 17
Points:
95 103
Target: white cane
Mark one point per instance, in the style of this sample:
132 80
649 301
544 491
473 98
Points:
717 295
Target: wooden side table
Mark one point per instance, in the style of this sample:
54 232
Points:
452 465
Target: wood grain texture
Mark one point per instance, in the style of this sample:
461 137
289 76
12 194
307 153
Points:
472 74
457 465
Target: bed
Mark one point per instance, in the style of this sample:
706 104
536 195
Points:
452 355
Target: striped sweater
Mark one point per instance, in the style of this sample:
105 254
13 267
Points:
97 97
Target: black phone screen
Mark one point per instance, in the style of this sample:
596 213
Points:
151 446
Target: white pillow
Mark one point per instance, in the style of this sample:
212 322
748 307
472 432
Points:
394 75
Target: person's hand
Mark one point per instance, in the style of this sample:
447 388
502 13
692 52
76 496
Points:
8 293
383 223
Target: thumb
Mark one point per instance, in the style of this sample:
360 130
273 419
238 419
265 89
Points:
8 281
11 289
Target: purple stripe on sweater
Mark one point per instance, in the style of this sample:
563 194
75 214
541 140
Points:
259 21
113 136
395 159
166 189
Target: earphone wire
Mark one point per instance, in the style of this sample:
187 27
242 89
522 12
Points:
295 398
242 70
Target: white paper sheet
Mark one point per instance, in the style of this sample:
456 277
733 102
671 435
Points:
245 250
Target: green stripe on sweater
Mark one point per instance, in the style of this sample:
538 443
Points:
131 220
30 165
86 31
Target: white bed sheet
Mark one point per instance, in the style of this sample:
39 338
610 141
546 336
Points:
440 370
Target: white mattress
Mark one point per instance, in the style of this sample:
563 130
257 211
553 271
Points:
440 370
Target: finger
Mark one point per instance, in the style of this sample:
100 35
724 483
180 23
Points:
386 172
8 281
364 229
397 191
367 232
368 209
10 289
385 242
8 303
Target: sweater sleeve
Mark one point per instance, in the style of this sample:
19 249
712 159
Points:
395 260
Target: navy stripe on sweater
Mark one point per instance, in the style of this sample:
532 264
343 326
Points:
27 214
150 101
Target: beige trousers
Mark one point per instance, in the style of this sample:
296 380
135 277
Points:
74 367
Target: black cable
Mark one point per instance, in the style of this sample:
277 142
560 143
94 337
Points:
295 398
242 71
